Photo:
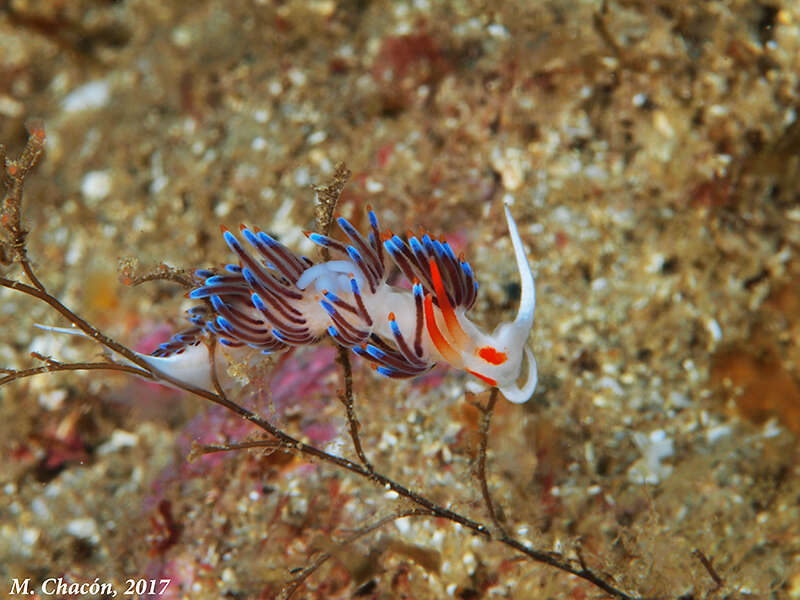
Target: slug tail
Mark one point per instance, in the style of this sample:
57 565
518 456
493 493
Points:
187 362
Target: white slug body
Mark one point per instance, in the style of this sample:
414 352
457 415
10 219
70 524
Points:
192 366
274 299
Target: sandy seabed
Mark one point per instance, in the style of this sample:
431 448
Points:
651 154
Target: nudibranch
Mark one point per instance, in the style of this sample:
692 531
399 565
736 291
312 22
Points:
273 299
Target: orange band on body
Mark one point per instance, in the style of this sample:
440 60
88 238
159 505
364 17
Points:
488 380
444 348
451 320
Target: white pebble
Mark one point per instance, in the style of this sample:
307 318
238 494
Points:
317 137
403 526
96 185
498 31
373 187
119 439
84 528
53 399
94 94
714 329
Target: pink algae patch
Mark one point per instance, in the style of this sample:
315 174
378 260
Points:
302 381
154 335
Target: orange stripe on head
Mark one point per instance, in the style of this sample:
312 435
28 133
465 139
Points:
445 349
451 320
488 380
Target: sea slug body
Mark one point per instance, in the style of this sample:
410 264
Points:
273 299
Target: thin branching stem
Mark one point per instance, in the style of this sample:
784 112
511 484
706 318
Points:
201 449
162 272
486 420
292 586
13 375
708 565
14 173
327 198
346 397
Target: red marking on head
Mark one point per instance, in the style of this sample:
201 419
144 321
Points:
492 355
488 380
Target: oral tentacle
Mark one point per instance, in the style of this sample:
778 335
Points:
527 298
518 395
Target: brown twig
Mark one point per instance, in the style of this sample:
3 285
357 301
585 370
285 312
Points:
708 565
486 420
346 398
14 174
327 197
54 367
600 23
39 292
162 272
292 586
201 449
